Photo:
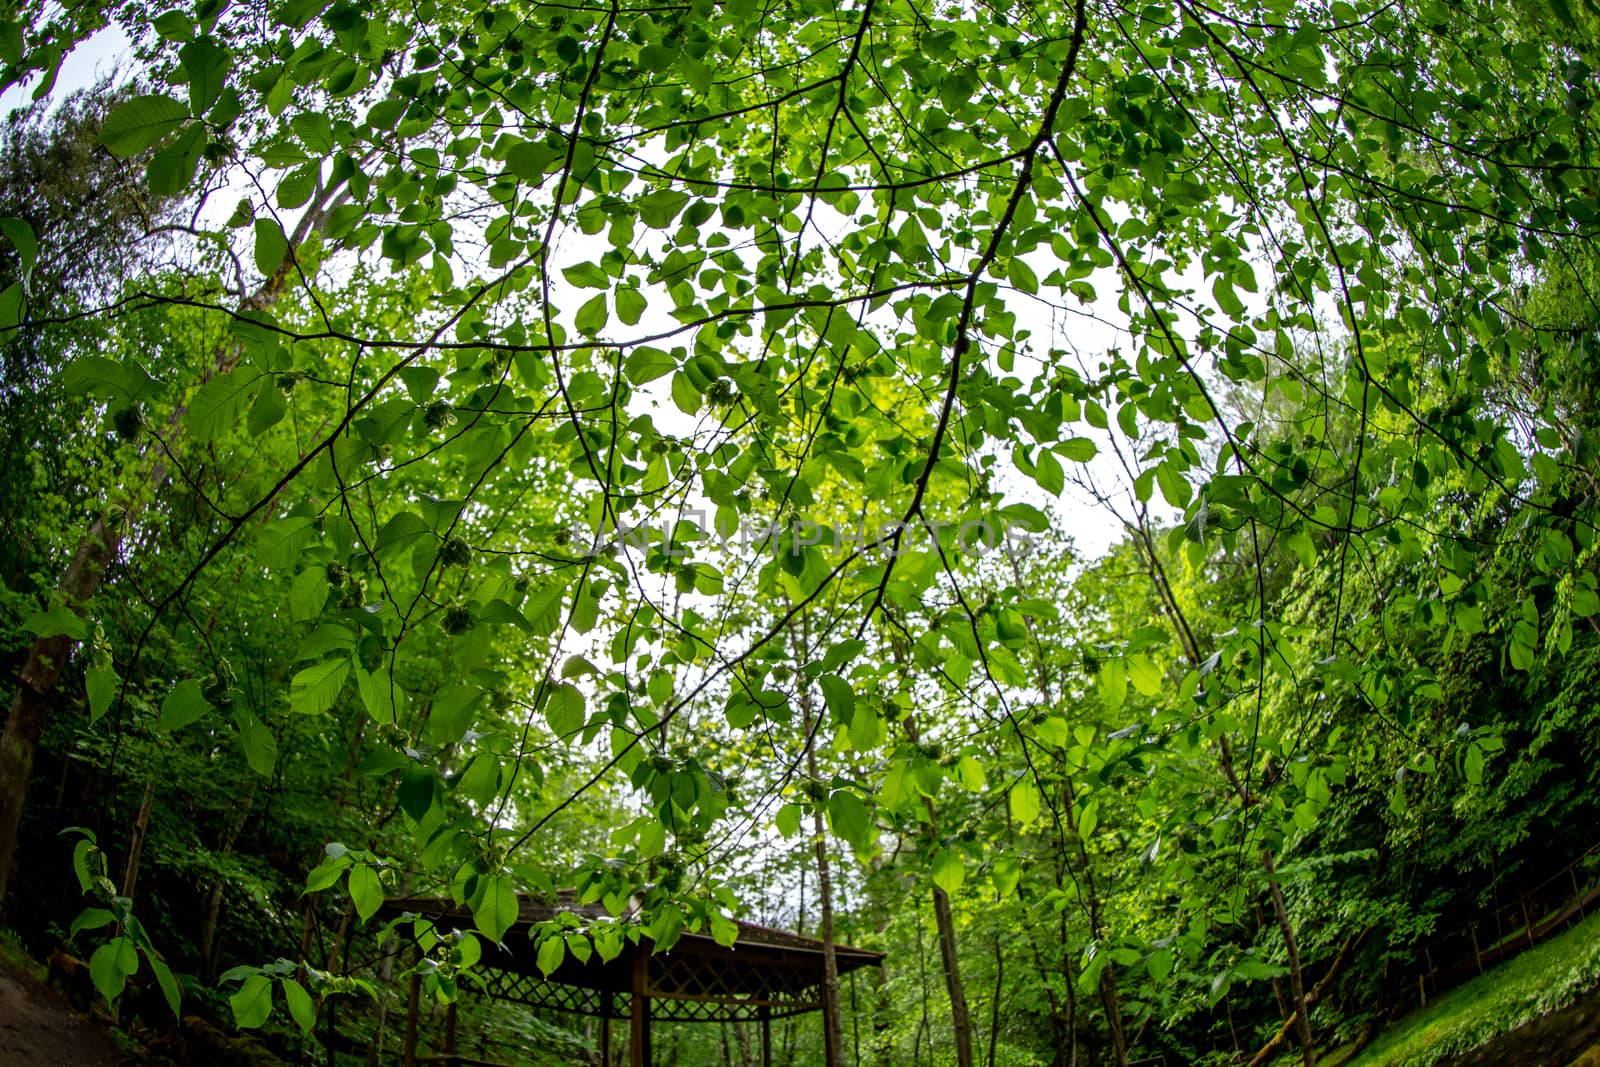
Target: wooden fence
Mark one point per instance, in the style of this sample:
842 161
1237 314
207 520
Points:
1507 928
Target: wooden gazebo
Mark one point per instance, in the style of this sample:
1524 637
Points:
766 974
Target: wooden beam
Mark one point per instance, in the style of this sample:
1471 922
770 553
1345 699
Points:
639 1009
408 1055
765 1016
605 1028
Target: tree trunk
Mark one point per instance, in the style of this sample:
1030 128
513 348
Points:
1108 999
1246 798
30 705
141 826
211 909
832 1031
1291 946
994 1005
391 949
960 1018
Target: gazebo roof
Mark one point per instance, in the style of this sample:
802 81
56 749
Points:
765 973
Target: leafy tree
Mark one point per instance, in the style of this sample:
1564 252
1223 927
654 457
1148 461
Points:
574 444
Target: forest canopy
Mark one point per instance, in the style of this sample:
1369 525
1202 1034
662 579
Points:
660 450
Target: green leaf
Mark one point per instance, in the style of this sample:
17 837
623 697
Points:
382 697
216 408
866 727
252 1002
271 246
1005 872
647 364
20 234
1089 818
366 890
788 820
1048 473
1078 449
307 594
724 931
268 410
1021 275
1024 802
1159 964
171 991
301 1007
137 124
532 160
206 63
59 621
498 908
1113 683
183 705
172 169
327 873
1227 299
1145 675
260 746
848 816
592 316
587 276
839 697
82 853
552 951
948 872
419 791
315 689
565 710
90 919
969 772
298 185
630 306
658 209
13 308
280 543
112 964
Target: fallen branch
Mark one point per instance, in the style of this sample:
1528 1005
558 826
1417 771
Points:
1271 1048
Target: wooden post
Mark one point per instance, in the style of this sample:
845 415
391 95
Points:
1477 953
765 1014
639 1010
605 1028
1577 894
1527 920
1422 989
450 1031
408 1056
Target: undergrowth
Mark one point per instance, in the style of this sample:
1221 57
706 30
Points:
1543 979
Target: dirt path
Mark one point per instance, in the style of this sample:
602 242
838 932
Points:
38 1028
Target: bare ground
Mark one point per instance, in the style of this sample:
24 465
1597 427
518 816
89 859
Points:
38 1028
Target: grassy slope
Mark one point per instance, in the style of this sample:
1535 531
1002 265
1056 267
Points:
1531 984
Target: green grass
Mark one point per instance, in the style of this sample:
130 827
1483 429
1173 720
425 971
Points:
1541 980
12 954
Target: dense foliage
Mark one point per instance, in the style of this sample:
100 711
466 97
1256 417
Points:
480 449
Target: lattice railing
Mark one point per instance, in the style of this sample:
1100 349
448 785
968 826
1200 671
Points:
537 993
684 987
682 980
